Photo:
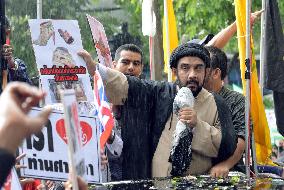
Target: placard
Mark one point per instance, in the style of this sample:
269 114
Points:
100 41
73 134
47 151
56 44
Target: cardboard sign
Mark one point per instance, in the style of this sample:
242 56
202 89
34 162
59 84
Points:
56 44
47 151
100 41
73 134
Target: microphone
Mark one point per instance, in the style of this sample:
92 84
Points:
181 154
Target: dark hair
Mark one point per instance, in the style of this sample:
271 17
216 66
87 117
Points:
128 47
218 60
189 49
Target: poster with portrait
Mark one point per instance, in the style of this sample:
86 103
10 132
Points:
56 44
47 151
100 41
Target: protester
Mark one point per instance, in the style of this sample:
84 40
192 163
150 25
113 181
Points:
128 60
16 101
215 75
235 100
147 106
189 63
224 36
17 70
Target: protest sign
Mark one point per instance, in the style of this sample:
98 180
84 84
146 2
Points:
47 151
73 134
55 44
100 41
101 102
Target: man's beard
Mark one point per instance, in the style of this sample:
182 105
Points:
194 92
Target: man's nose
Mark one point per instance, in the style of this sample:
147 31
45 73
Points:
131 67
192 74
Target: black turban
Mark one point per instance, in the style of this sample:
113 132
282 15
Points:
189 49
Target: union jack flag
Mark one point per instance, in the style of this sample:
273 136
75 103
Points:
103 109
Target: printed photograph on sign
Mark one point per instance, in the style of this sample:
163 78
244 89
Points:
47 151
56 87
56 44
53 88
100 41
47 32
67 37
62 57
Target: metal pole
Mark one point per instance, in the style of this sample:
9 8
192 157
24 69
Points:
41 103
247 100
39 16
262 48
152 53
39 9
166 19
253 154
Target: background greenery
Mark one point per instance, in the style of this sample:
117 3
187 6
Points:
195 18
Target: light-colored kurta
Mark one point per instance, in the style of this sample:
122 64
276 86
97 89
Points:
206 135
205 143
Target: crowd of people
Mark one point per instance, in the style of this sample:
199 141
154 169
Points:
141 142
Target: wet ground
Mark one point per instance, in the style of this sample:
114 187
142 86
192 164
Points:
202 182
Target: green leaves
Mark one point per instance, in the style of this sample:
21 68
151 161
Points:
195 18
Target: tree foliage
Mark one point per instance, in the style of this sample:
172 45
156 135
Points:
197 18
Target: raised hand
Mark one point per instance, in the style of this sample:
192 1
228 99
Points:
91 64
16 101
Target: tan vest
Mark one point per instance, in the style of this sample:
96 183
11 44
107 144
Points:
205 143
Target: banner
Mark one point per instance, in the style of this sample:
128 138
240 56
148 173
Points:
173 35
47 151
273 62
260 126
55 44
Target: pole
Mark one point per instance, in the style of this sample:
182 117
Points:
247 100
151 51
4 72
262 48
166 19
39 16
39 9
254 154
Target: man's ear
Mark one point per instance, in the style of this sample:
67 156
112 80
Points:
217 73
174 71
142 66
114 63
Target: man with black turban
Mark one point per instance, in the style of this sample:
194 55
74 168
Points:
149 123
